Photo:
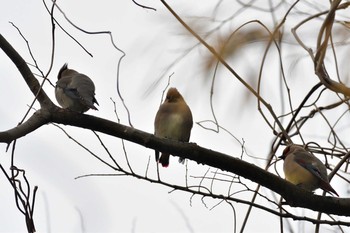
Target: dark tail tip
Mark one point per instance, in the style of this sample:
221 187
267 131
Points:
333 191
164 160
328 188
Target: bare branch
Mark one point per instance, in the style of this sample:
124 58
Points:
38 119
28 76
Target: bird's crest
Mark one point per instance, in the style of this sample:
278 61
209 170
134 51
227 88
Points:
64 67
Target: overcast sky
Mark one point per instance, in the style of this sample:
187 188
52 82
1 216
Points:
151 40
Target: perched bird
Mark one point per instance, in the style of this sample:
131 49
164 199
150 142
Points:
75 91
305 170
173 121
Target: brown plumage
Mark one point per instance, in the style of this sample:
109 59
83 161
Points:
305 170
173 121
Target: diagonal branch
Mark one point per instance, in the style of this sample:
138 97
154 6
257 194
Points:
293 195
28 76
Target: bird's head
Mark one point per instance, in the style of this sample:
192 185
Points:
60 73
290 149
173 95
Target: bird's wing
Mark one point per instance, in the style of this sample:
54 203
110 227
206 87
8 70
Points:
83 88
310 163
316 167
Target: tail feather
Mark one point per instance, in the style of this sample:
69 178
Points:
94 100
328 188
164 159
89 104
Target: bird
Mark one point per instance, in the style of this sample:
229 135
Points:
75 91
173 121
305 170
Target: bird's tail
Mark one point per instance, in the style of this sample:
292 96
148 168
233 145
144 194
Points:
328 188
164 159
90 104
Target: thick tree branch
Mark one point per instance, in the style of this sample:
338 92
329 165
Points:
28 76
40 118
292 194
51 113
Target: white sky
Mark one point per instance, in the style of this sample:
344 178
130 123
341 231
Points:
151 41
